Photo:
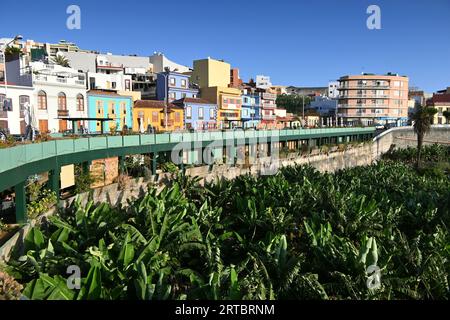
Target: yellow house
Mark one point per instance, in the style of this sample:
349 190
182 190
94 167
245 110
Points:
213 77
152 112
211 73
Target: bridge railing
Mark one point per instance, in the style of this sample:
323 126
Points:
16 156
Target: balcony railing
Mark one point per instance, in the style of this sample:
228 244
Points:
364 96
362 106
269 117
364 86
362 115
269 96
63 113
59 80
169 122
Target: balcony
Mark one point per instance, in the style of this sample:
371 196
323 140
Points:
269 117
169 122
53 79
362 106
109 66
266 105
364 96
269 96
363 86
63 113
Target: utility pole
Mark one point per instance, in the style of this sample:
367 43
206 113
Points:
303 98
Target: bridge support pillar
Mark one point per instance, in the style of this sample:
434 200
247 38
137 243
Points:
85 166
21 203
154 162
54 181
121 165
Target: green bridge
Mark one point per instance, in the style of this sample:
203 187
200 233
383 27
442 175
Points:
20 162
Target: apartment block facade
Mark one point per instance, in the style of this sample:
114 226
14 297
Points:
373 99
175 85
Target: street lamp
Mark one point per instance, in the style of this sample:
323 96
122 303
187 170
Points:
16 38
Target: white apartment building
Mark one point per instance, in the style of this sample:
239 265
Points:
58 92
12 121
333 89
263 82
53 91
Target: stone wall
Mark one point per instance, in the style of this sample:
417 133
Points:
400 138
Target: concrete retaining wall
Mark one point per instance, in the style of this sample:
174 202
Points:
403 137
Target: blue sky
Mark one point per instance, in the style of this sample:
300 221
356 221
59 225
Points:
296 42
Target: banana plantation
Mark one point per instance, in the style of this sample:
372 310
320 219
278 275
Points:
299 234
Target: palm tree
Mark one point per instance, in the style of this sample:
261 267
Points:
61 60
446 114
422 124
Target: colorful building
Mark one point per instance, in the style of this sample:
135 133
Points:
441 102
199 114
229 103
251 110
108 104
151 113
373 99
211 73
175 85
268 105
213 77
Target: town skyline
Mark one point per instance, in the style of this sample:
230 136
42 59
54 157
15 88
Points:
400 45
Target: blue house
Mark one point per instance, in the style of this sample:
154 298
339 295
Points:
107 104
175 85
251 110
199 114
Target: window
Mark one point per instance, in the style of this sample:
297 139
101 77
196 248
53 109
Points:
200 113
183 83
113 85
62 101
177 117
172 95
189 112
80 102
396 83
211 113
155 116
42 100
123 106
113 108
183 95
127 85
23 100
172 81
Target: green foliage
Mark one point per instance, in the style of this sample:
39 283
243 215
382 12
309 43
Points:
299 234
169 167
3 226
61 61
293 103
83 180
45 200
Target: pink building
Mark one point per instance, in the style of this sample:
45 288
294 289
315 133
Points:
373 99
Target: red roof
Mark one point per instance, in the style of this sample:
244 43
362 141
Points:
105 93
440 98
154 104
192 100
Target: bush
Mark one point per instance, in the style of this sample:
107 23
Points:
10 289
